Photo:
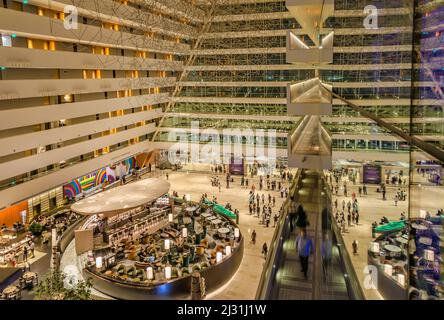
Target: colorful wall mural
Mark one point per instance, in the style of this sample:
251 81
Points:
108 174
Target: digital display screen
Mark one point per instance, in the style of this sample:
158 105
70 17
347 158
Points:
372 174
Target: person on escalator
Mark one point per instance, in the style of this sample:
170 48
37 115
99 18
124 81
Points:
326 252
292 214
304 247
301 218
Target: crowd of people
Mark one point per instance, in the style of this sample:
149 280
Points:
262 205
352 213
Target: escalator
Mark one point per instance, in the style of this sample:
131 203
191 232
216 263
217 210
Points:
327 279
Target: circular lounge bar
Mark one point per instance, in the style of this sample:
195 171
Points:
139 243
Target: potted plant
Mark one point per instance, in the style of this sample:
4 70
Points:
36 229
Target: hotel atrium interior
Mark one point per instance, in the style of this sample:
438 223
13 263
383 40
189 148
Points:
221 149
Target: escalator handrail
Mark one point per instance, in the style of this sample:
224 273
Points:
275 248
354 288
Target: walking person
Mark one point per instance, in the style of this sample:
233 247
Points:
25 253
355 247
364 189
304 247
31 248
265 250
275 220
253 237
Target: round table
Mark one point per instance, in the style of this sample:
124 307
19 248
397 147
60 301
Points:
418 226
11 292
402 240
426 241
29 276
223 232
393 249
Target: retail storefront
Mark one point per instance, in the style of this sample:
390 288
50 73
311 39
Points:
45 201
13 214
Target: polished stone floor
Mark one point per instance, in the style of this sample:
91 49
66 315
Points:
373 208
245 282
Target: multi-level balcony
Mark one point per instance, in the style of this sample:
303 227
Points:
299 52
309 97
310 145
311 15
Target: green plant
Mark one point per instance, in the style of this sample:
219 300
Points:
36 228
56 286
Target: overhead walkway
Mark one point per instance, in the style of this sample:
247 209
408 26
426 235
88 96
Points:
311 15
309 145
282 277
299 52
309 97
